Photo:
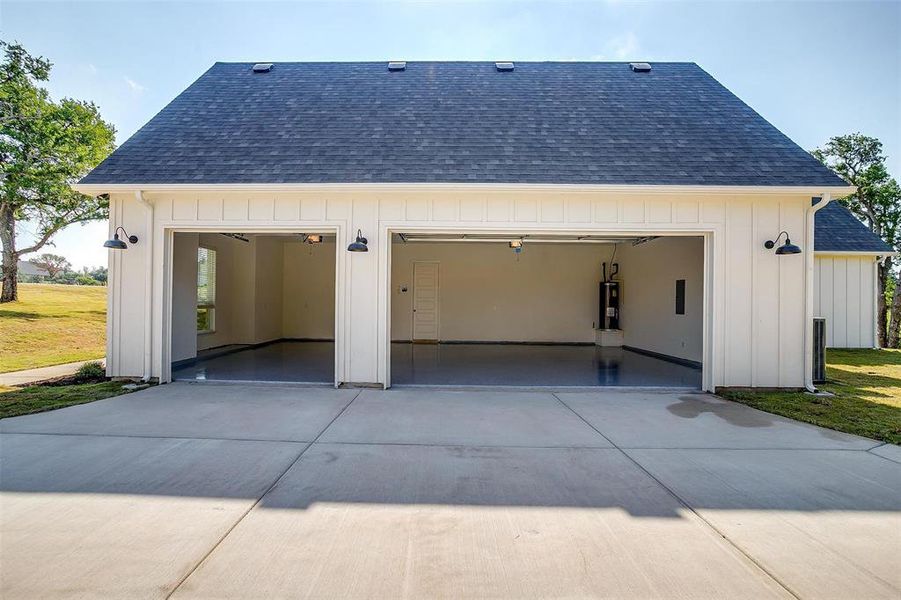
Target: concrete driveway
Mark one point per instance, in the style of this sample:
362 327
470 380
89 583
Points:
226 491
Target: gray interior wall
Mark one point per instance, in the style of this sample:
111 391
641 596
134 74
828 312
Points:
235 269
270 288
184 296
548 293
309 290
649 272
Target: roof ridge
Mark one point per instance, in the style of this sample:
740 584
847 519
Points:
454 62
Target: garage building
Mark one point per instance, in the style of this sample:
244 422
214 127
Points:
463 223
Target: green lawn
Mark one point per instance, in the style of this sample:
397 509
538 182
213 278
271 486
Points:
51 325
867 401
40 398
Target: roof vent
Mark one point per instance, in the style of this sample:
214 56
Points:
397 65
262 67
640 67
503 66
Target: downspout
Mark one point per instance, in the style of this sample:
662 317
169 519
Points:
148 286
808 284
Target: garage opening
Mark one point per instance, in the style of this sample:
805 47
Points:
253 307
546 310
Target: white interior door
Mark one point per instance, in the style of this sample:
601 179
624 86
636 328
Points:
425 301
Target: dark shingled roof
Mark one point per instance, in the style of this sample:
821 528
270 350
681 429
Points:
836 229
444 122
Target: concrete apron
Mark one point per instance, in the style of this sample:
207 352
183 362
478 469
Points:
248 492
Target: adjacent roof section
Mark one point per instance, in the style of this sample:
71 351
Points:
836 229
460 122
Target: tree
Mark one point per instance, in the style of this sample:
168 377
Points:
100 274
859 160
52 263
45 147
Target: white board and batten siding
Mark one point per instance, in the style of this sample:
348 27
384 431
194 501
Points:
754 323
845 295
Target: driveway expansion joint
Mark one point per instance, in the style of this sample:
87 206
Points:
153 437
763 570
257 501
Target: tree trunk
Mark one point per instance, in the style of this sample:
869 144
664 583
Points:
884 272
894 336
10 269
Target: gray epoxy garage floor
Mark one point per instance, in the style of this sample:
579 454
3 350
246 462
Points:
221 491
450 364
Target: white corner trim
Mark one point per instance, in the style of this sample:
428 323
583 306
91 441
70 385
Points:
148 285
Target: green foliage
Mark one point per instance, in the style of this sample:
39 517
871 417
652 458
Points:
90 371
52 263
867 396
45 147
42 398
859 160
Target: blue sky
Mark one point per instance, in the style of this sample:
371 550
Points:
813 69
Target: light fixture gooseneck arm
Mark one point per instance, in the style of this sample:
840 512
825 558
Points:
770 244
132 239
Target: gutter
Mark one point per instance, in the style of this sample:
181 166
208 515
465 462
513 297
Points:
148 287
837 191
881 256
808 291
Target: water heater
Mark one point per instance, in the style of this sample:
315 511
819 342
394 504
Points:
609 305
608 296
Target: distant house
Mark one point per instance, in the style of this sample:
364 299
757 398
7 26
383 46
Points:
845 277
450 222
27 267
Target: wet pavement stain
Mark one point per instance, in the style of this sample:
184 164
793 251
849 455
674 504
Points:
691 407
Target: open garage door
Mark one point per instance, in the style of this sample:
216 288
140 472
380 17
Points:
546 310
253 307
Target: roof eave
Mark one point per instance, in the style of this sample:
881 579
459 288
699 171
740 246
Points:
95 189
856 252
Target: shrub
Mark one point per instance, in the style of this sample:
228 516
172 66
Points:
91 371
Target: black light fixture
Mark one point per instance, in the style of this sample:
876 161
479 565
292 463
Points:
360 244
786 248
116 243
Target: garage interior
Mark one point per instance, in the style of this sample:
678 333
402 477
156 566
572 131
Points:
546 310
253 307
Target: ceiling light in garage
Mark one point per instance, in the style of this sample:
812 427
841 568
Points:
516 245
312 238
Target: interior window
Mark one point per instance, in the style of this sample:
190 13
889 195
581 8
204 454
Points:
206 290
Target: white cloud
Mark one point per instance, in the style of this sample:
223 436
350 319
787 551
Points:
618 48
623 46
136 87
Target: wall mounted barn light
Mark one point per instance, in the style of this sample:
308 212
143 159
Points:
116 243
360 244
786 248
